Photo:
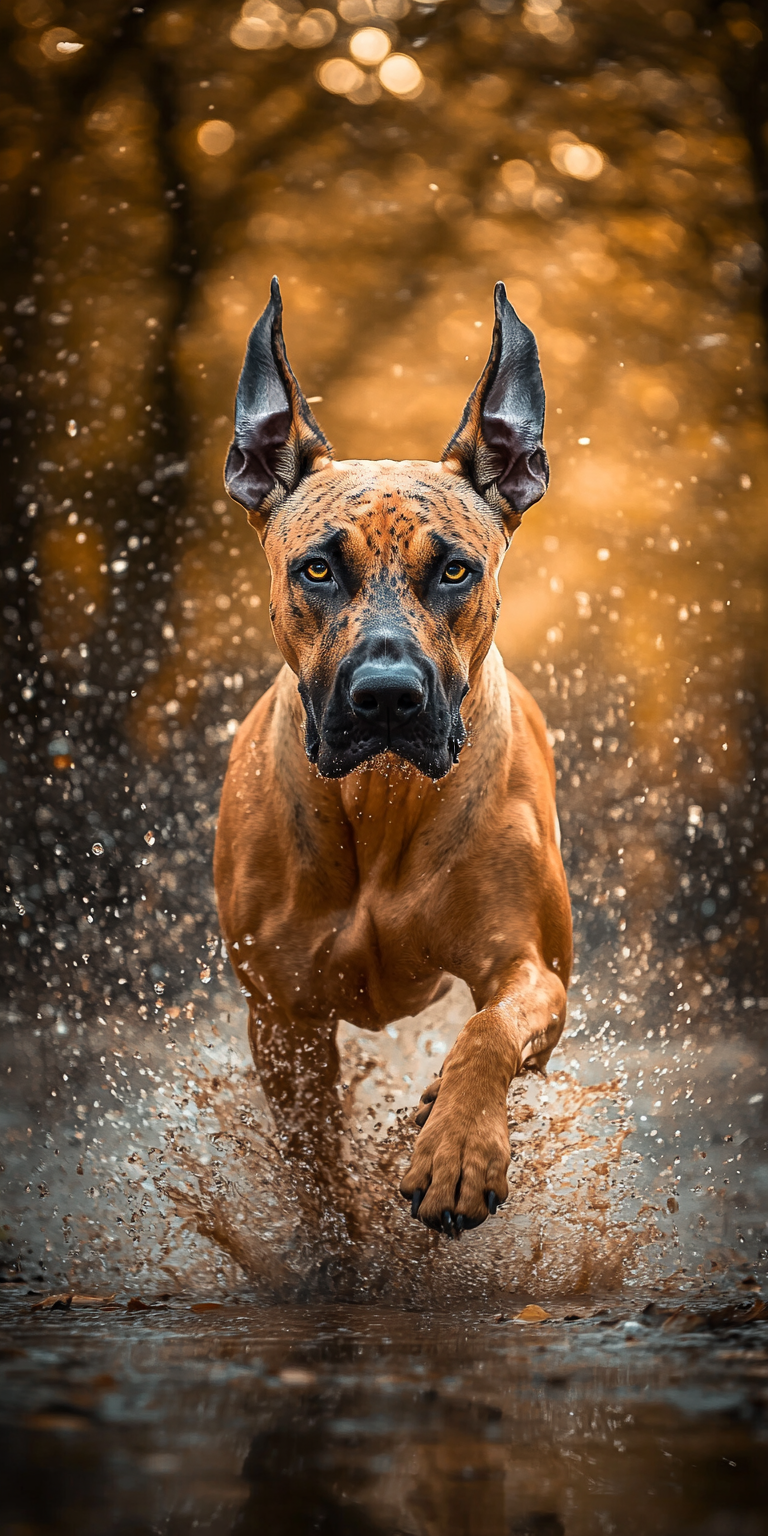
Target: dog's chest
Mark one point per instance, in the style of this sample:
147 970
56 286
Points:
379 967
367 962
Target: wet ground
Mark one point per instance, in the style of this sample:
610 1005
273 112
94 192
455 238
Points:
233 1417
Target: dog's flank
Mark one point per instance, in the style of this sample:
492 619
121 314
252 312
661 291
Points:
388 816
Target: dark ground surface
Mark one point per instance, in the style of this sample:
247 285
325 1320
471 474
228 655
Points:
358 1421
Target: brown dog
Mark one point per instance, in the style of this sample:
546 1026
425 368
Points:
388 815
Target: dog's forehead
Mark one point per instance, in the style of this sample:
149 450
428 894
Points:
385 497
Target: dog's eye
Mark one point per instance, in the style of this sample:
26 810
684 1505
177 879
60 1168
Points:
455 572
318 570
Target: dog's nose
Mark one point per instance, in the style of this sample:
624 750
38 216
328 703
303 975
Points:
380 694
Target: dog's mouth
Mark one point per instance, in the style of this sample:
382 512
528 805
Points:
340 753
339 741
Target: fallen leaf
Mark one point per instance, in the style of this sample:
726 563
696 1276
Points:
206 1306
67 1299
136 1305
64 1300
532 1314
681 1321
739 1313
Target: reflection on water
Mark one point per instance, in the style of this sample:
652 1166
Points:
363 1421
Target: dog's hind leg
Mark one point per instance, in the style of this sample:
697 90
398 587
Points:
298 1064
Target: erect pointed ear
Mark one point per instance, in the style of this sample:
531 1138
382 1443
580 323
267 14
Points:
277 439
498 443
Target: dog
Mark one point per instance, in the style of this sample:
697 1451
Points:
388 816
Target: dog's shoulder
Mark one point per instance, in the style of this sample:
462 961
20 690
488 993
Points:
253 731
524 704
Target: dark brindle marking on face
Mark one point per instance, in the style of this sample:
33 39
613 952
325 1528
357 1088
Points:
384 576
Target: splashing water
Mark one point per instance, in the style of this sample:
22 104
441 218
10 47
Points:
626 1167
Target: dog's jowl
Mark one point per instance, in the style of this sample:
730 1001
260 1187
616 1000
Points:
388 816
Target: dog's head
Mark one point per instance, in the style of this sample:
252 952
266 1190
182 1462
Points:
384 574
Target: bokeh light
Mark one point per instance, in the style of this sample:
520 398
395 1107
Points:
519 178
262 24
60 43
370 45
545 18
314 29
581 161
401 75
216 136
340 76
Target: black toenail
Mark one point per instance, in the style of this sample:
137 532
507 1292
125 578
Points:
416 1199
492 1201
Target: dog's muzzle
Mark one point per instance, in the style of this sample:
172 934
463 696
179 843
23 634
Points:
393 703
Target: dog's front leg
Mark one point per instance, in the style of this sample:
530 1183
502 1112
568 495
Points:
458 1172
298 1064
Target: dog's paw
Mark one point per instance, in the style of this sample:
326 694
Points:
458 1172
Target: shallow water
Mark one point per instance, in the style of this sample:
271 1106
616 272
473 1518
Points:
239 1418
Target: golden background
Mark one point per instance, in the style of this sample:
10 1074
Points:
390 162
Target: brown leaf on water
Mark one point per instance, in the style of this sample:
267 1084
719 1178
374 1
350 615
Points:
137 1305
532 1314
66 1299
737 1313
682 1321
206 1306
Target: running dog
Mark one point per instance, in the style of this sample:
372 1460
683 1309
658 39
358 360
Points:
388 816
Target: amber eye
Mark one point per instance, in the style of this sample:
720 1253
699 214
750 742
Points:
455 571
318 570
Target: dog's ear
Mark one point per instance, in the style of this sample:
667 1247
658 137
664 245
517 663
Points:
498 443
277 439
